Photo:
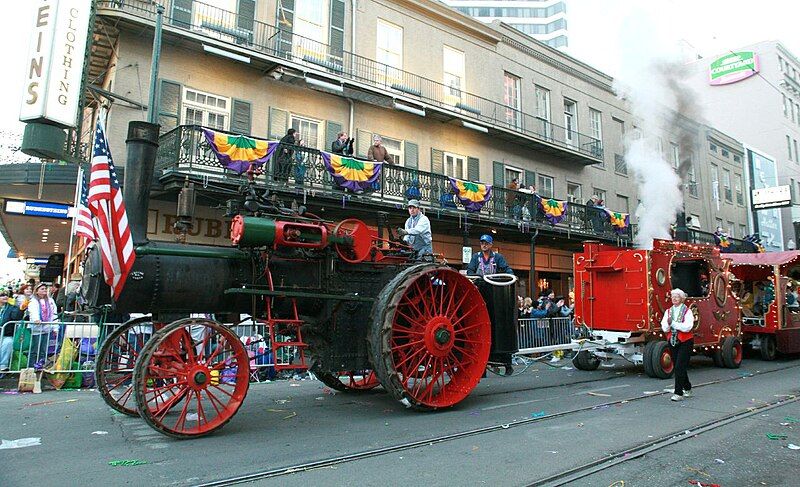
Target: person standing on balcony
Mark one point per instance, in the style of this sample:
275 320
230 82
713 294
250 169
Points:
377 152
342 145
511 198
417 231
285 156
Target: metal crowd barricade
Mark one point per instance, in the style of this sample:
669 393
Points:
537 335
39 344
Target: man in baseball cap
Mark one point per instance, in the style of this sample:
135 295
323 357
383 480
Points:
486 261
417 231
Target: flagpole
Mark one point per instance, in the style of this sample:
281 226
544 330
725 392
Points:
78 185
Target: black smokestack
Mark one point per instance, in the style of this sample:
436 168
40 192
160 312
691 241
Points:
142 144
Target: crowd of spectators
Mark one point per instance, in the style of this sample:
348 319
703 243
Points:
547 305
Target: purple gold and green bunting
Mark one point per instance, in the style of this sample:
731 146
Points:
554 210
619 221
722 240
471 195
237 152
352 174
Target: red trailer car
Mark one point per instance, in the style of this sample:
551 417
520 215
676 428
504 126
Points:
621 295
770 322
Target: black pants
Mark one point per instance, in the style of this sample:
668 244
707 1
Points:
680 354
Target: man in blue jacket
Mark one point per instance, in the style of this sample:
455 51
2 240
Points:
486 261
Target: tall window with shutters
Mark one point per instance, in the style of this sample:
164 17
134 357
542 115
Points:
455 165
395 149
208 110
543 111
310 131
544 185
511 98
310 29
389 52
454 67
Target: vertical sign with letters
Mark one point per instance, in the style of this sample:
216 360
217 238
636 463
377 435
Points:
54 65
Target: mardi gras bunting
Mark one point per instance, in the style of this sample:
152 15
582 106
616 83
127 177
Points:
472 195
350 173
554 210
619 221
721 239
237 152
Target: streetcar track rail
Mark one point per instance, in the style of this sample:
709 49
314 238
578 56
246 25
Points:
581 471
616 458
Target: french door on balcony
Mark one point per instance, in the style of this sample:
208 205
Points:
570 122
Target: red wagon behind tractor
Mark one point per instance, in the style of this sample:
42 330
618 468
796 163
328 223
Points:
770 325
621 295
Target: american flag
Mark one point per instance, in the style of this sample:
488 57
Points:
83 218
105 203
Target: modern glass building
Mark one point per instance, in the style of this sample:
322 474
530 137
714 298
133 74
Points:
544 20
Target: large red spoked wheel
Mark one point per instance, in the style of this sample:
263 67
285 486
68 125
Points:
191 378
344 381
115 362
430 337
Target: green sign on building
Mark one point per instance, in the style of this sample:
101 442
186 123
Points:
733 67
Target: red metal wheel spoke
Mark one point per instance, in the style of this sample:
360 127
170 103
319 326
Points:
451 311
221 344
118 382
214 401
184 412
406 302
201 414
467 313
421 292
167 405
406 358
223 391
414 322
188 345
123 399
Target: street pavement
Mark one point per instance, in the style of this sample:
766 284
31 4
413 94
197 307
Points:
288 423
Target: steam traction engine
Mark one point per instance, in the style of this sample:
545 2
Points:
355 304
622 294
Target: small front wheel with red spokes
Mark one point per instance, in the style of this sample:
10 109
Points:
430 337
191 378
116 360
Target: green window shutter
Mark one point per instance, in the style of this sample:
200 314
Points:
363 141
336 38
411 155
285 21
278 123
437 161
332 129
169 105
182 13
498 174
530 178
473 169
240 117
246 14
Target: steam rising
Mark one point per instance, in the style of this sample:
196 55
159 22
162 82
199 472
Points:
651 80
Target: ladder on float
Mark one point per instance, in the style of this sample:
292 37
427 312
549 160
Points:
285 335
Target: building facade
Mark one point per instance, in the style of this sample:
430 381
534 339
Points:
450 96
753 94
544 20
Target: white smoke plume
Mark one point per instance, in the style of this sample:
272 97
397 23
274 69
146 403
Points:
651 81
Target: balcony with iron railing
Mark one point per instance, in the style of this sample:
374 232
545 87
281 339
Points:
184 151
283 47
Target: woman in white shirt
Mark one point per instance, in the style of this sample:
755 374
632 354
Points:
678 323
42 312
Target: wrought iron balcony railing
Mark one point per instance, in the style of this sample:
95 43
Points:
232 28
184 150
